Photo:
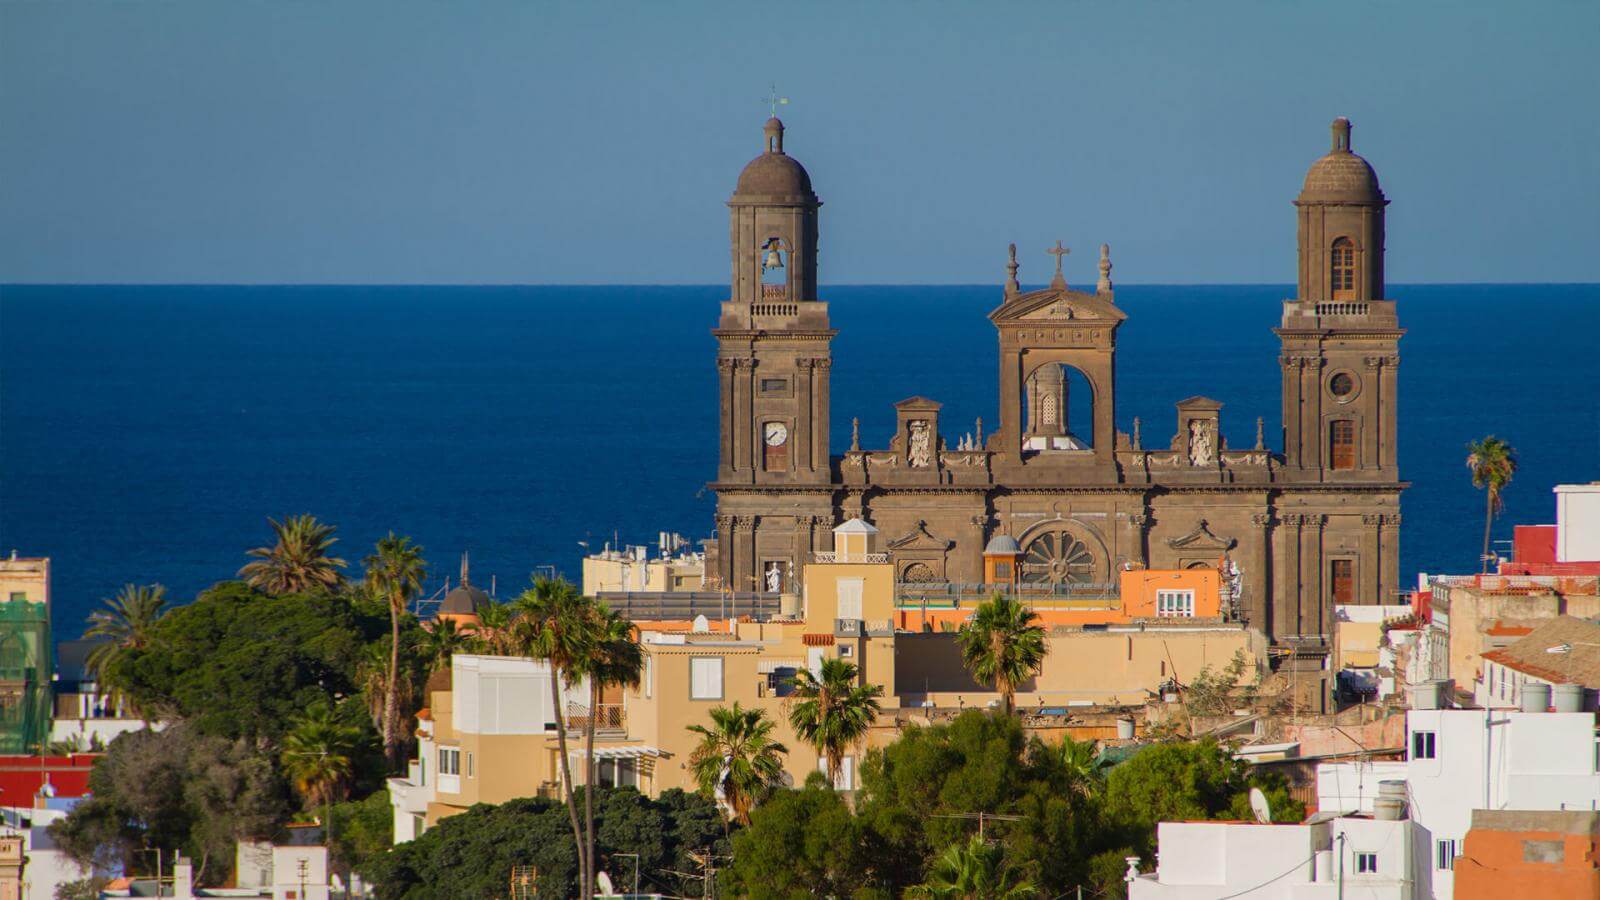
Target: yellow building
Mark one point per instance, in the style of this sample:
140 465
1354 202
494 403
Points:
747 648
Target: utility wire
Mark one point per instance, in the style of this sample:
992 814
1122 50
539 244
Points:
1286 873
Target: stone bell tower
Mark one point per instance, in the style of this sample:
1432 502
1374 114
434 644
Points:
773 338
1340 335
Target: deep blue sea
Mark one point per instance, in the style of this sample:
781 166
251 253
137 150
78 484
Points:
146 433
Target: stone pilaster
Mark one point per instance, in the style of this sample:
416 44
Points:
1258 579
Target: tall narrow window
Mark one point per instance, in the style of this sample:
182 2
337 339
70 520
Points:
1344 269
1342 444
1342 575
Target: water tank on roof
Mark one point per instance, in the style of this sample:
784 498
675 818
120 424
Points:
1567 698
1391 803
1535 697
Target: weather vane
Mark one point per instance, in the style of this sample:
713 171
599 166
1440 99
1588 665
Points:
775 101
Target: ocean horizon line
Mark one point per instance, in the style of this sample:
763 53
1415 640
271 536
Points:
490 285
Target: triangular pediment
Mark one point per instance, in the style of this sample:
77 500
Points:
918 402
919 538
1202 538
1199 402
1057 305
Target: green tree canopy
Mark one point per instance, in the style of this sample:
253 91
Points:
802 843
470 855
237 663
176 789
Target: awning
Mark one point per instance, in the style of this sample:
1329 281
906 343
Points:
623 752
816 640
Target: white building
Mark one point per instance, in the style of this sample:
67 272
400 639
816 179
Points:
1323 859
1577 522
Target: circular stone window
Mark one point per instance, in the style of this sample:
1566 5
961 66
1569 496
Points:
1342 385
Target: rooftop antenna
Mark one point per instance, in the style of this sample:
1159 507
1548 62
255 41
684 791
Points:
1260 806
773 100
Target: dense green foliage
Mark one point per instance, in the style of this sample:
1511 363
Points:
237 663
1065 822
470 856
362 831
176 789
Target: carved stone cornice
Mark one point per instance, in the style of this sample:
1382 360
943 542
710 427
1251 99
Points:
1262 520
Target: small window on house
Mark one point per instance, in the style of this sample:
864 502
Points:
846 651
1366 863
1342 444
449 761
705 678
1422 745
1341 575
1174 604
1444 854
1343 260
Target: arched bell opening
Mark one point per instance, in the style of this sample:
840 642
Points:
1057 410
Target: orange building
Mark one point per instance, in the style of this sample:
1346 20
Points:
1518 853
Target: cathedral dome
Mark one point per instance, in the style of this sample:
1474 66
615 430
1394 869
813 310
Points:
774 173
1341 176
465 600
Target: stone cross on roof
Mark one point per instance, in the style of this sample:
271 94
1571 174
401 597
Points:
1058 251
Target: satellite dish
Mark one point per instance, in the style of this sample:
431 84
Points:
1259 805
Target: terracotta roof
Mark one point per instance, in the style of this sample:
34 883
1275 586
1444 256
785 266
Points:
1531 655
817 640
1499 629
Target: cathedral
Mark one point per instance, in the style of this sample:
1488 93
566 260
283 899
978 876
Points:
1298 524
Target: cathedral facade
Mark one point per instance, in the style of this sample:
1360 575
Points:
1308 521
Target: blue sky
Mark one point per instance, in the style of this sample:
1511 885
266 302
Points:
398 142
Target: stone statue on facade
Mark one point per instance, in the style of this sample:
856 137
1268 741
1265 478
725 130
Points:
920 451
1202 448
774 578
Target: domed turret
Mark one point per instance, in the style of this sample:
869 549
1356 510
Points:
774 174
1341 176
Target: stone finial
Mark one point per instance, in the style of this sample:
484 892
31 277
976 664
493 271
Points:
1138 444
1012 286
1103 286
980 432
855 435
1261 441
464 567
1059 281
1341 135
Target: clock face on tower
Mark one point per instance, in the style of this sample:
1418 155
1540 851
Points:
777 434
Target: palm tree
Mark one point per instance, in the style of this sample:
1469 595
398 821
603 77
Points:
1493 464
493 629
737 761
1003 645
444 639
126 622
395 572
831 711
552 624
974 870
319 755
299 561
1082 764
615 659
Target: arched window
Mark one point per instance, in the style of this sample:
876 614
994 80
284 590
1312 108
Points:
1343 264
1342 444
